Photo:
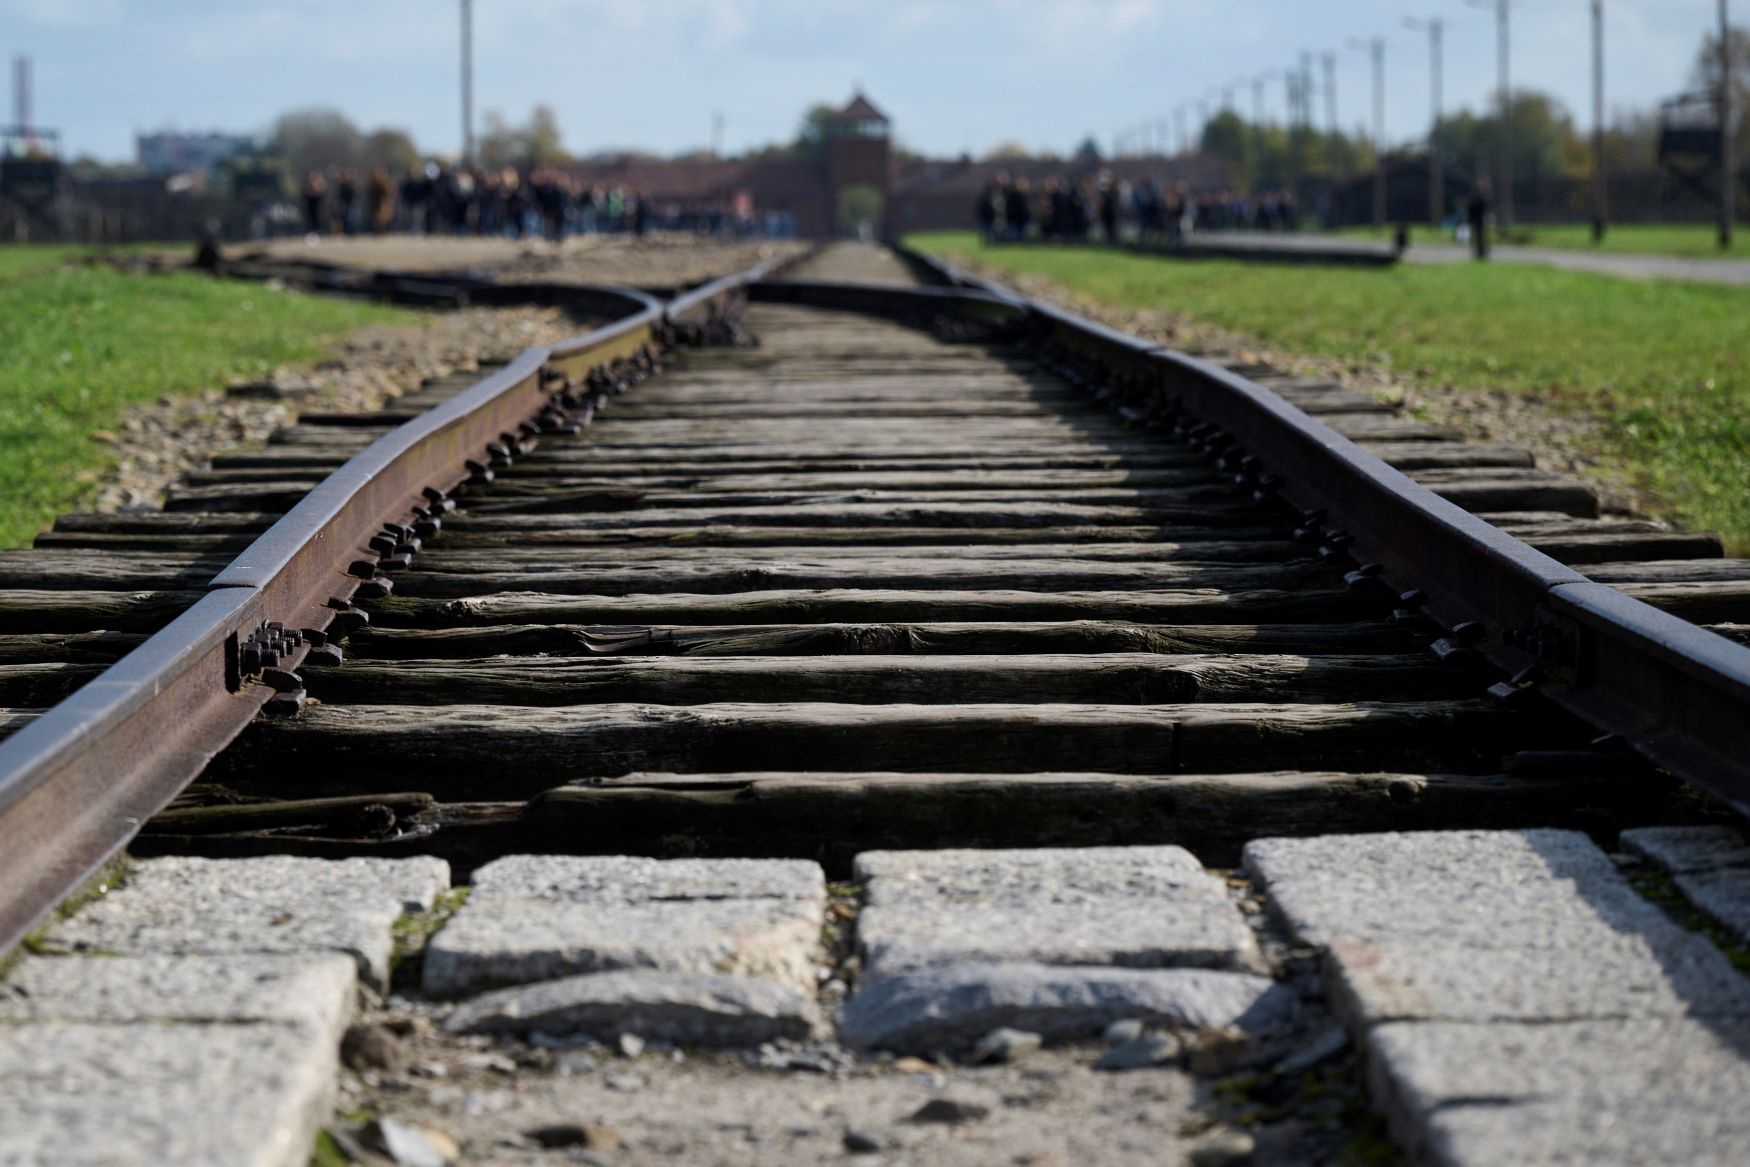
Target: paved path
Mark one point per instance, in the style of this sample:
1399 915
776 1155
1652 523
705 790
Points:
1631 267
1512 997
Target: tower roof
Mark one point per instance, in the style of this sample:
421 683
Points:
861 109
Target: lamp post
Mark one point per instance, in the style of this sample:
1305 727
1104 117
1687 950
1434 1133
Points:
467 82
1376 47
1504 131
1728 177
1436 165
1600 191
1330 61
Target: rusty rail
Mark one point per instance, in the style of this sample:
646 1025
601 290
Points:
1676 693
78 783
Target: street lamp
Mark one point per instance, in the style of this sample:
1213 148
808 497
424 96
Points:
1600 191
1436 165
1376 47
1330 62
1504 131
1728 179
467 82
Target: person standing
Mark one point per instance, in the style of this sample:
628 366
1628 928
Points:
381 197
315 194
1017 213
1109 209
346 188
1477 212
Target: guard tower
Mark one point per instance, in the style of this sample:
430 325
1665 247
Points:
858 167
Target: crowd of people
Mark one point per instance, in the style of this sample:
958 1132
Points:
539 202
1070 209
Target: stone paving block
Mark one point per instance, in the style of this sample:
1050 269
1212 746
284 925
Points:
1618 975
1483 889
1519 1002
277 904
1148 907
1475 925
950 1008
316 992
1671 1090
703 1009
248 1095
539 918
1710 865
631 879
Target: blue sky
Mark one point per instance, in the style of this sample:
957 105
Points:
954 74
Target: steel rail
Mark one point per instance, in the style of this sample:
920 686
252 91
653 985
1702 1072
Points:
1675 692
78 783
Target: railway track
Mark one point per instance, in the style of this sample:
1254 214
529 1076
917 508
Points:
864 564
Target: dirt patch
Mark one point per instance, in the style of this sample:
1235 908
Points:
1569 442
660 260
156 444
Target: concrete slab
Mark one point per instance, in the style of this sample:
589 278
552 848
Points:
77 1094
1152 907
1519 1001
1671 1090
316 992
949 1009
1669 974
1481 889
277 904
1711 867
539 918
631 879
701 1009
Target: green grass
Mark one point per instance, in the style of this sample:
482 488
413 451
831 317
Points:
1663 364
1678 240
82 344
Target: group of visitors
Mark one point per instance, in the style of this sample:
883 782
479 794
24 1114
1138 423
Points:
438 199
1070 209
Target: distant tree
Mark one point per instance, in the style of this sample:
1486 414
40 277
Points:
1705 77
1544 139
810 140
1088 151
546 145
1009 151
393 150
1224 137
536 142
316 139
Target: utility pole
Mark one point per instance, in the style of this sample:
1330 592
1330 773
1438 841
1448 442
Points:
1331 94
1600 189
1728 174
1504 130
467 82
1376 47
716 133
1436 164
1184 139
1379 131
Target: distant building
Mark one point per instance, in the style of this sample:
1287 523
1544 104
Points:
799 196
171 152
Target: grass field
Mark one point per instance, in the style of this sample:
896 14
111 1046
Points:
1678 240
1663 364
82 344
